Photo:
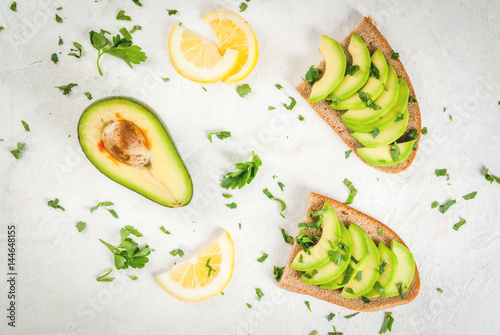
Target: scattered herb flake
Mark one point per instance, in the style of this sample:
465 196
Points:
292 104
351 315
112 212
387 326
434 204
227 195
210 269
220 135
400 290
366 300
459 224
400 117
301 118
412 99
469 196
243 6
135 28
366 99
330 316
394 152
395 55
352 191
352 69
439 290
451 117
382 266
444 207
61 42
243 90
308 305
121 16
66 88
245 175
13 7
374 72
58 19
165 80
491 178
103 277
248 305
288 239
25 125
270 196
380 231
262 258
359 275
133 277
80 225
270 108
77 52
259 293
347 153
312 75
413 133
172 12
101 204
424 131
17 152
440 172
278 86
375 132
232 205
54 58
281 185
278 272
164 230
55 204
177 252
88 95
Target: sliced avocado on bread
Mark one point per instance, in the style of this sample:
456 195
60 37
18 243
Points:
386 275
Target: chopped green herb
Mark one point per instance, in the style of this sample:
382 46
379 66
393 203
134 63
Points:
245 175
412 99
1 28
135 28
469 196
440 172
301 259
101 204
424 131
312 75
335 257
127 230
278 272
55 204
259 293
80 225
281 185
88 95
176 252
278 86
347 276
380 231
347 153
13 7
58 19
387 326
366 300
128 253
66 88
315 332
204 88
54 58
227 196
243 90
444 207
292 104
262 258
330 316
78 48
248 305
239 226
17 152
270 108
400 290
288 239
413 133
379 289
415 146
444 109
395 55
61 42
459 224
165 80
25 125
400 117
133 277
172 12
451 117
121 16
301 118
220 135
210 269
434 204
308 306
359 275
366 99
395 152
243 6
270 196
103 277
382 266
374 72
352 69
351 315
439 290
232 205
164 230
375 132
491 178
352 191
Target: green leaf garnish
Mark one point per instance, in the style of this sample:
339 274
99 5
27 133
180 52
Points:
451 117
368 102
375 132
243 6
78 49
278 86
88 95
232 205
444 207
359 275
262 258
128 253
288 239
380 231
55 204
330 316
469 196
459 224
292 104
347 153
394 152
13 6
165 80
17 152
164 230
245 175
177 252
413 133
101 204
103 277
301 259
400 290
491 178
335 257
270 108
395 55
220 135
347 276
352 191
308 306
112 212
374 72
301 118
439 290
58 19
312 75
381 268
227 196
121 16
379 289
281 185
243 90
133 277
172 12
270 196
248 305
66 88
80 225
25 125
366 300
434 204
352 69
351 315
54 58
412 99
278 272
424 131
210 269
259 293
440 172
387 326
135 28
61 42
400 117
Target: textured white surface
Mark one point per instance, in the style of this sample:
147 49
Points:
451 52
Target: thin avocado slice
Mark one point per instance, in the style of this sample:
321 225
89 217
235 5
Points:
352 83
373 87
381 156
359 257
368 273
158 174
334 71
331 270
390 269
385 102
406 269
318 256
385 136
390 116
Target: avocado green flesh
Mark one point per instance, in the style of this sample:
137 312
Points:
406 269
360 251
389 117
369 274
373 87
334 71
386 135
385 101
318 254
381 156
164 180
352 83
330 270
387 278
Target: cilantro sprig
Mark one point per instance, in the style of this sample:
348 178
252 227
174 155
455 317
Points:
312 75
128 253
245 174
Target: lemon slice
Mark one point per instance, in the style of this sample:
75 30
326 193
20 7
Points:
191 280
198 59
233 32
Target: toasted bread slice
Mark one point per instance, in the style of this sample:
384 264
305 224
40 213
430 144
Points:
291 281
373 40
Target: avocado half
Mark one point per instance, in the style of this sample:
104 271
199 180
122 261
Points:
164 178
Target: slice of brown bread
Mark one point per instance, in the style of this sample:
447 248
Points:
373 40
291 281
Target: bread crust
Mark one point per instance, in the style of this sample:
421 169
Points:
290 280
373 40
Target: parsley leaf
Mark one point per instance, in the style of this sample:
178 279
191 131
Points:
103 277
281 185
78 49
375 132
278 272
312 75
259 293
351 315
61 42
379 289
394 152
278 86
424 131
488 177
121 16
262 258
13 7
347 153
25 125
440 172
400 117
220 135
54 58
232 205
459 224
243 6
288 239
400 290
2 28
172 12
164 230
137 2
308 305
88 95
248 305
366 300
444 207
395 55
66 88
306 242
127 230
176 252
210 269
387 326
368 102
412 99
434 204
330 316
270 196
128 253
270 108
243 90
55 204
382 266
133 277
121 48
413 133
380 231
112 212
439 290
58 19
227 196
374 72
101 204
80 225
351 70
135 28
292 104
245 175
17 152
352 191
301 118
469 196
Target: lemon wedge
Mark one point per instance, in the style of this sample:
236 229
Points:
203 276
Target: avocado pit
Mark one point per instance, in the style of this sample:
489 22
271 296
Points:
125 142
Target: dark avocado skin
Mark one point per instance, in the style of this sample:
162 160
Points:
151 110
